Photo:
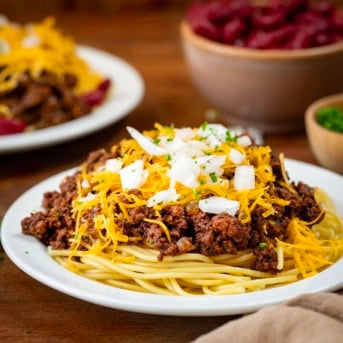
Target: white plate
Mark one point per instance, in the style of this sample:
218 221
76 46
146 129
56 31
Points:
31 256
128 92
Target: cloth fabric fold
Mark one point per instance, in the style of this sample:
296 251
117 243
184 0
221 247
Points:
314 318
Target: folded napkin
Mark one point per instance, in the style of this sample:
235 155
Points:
307 318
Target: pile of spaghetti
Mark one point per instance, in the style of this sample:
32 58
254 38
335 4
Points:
188 211
43 81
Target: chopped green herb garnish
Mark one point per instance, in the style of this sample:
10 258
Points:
331 118
262 244
213 177
156 141
204 125
170 139
168 157
229 137
196 192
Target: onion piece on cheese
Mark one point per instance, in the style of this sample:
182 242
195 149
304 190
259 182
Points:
244 178
236 156
113 165
244 141
184 170
216 205
133 175
168 195
146 143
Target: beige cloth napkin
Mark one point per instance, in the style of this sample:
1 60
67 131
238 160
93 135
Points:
313 318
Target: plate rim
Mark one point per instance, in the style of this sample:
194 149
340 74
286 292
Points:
89 123
94 292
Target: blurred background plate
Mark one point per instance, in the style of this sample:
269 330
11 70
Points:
128 90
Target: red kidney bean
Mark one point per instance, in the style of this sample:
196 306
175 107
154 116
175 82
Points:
104 85
197 16
97 96
313 24
269 19
265 40
232 30
294 6
318 23
219 11
94 98
11 126
337 21
321 39
336 37
322 7
301 40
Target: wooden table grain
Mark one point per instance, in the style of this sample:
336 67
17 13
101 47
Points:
148 38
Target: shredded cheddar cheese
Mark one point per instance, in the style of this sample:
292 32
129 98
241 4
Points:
39 47
205 170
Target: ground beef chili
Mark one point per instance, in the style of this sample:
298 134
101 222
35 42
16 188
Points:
190 229
45 101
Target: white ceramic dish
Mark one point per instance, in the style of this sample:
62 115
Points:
128 92
31 256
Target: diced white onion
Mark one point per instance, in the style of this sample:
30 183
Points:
172 145
218 205
85 183
217 130
113 165
163 196
211 164
213 141
3 20
236 156
146 143
90 196
184 170
185 133
4 46
244 141
30 41
133 175
195 147
244 178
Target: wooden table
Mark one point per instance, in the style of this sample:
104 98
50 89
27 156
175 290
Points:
148 38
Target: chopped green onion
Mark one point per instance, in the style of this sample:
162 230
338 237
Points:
204 125
229 137
213 177
196 192
262 244
331 118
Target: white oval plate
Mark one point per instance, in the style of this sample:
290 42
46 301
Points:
128 90
31 256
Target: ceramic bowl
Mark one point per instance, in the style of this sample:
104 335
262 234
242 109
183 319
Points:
327 145
269 89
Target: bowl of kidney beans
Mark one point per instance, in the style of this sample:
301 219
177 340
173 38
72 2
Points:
263 63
